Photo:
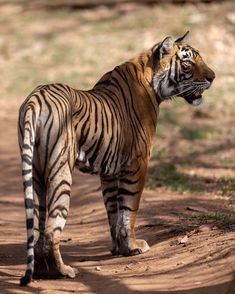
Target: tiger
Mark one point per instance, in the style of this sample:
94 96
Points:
107 130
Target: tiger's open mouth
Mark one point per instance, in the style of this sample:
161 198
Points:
195 99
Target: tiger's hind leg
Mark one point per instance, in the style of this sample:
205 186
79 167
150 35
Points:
49 218
110 192
59 188
57 161
131 184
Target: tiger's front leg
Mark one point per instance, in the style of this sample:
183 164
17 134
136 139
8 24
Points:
121 197
110 192
131 184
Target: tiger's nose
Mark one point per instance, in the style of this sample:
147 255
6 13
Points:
210 76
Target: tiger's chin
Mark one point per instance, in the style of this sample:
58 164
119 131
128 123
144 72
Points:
195 99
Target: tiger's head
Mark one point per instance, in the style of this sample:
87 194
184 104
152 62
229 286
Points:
180 71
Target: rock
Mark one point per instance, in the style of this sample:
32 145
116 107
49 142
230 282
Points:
98 268
183 240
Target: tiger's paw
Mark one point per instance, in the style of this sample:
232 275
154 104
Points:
115 251
137 247
115 248
68 271
141 245
47 268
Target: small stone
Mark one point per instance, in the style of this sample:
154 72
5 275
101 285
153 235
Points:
215 228
98 268
183 240
192 172
127 267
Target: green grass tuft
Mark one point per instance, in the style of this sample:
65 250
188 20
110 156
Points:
169 116
191 133
158 153
213 217
168 175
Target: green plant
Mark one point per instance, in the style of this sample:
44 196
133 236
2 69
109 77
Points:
168 175
210 217
192 133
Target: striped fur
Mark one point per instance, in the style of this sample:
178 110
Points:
108 131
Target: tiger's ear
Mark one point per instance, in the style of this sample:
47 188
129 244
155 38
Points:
166 46
184 39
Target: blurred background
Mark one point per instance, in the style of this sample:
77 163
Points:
76 41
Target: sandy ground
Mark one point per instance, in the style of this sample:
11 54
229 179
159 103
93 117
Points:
205 264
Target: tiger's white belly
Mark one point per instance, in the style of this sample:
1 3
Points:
82 163
85 165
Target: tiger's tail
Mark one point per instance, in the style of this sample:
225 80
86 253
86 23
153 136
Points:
27 134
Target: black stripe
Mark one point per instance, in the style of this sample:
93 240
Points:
28 183
28 203
30 239
26 158
111 199
124 191
30 258
27 278
130 181
52 176
114 210
126 208
100 140
26 147
64 182
29 223
109 190
26 172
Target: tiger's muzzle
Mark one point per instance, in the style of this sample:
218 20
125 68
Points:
194 96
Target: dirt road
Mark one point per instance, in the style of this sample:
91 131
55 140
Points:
204 264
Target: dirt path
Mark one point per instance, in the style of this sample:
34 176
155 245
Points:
205 264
